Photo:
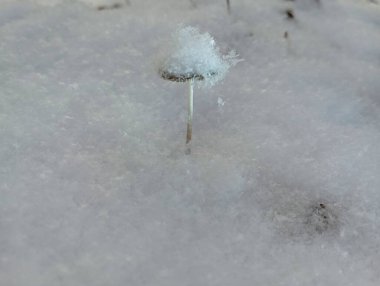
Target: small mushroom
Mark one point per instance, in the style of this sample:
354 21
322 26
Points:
190 78
190 57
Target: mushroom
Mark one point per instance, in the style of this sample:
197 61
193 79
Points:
190 78
193 57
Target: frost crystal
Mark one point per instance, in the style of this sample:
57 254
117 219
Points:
195 55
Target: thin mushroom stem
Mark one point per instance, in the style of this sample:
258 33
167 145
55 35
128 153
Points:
228 7
190 111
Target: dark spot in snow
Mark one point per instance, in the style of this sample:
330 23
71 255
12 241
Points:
193 4
289 14
321 218
250 34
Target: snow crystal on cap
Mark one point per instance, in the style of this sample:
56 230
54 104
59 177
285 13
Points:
192 54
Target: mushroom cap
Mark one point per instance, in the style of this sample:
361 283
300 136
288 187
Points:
183 77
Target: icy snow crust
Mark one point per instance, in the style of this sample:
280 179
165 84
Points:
282 185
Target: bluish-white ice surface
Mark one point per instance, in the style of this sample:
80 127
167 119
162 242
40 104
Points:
282 186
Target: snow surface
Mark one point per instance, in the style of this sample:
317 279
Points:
282 186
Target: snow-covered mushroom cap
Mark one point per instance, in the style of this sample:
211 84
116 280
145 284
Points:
192 55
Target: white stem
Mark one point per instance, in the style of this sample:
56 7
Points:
190 111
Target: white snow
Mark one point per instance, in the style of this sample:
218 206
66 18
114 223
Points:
282 186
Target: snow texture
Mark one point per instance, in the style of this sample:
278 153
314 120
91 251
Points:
195 55
282 186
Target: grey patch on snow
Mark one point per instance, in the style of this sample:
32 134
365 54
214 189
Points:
321 219
302 219
193 4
